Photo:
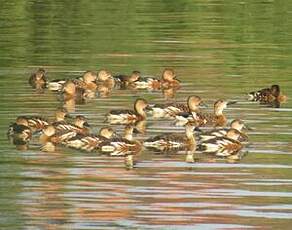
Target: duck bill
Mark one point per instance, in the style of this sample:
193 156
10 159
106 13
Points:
246 127
148 108
243 137
203 105
116 135
85 124
68 116
231 102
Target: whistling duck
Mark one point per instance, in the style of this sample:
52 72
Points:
213 119
235 124
168 80
71 91
121 146
268 95
127 81
38 79
227 146
172 109
90 142
105 78
35 123
51 137
80 125
128 116
171 142
20 131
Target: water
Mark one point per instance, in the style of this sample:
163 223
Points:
220 49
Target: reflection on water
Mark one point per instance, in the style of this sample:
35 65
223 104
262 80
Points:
218 49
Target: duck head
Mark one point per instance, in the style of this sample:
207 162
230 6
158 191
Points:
81 121
69 88
61 114
49 131
237 124
103 75
21 121
89 76
233 134
168 75
135 76
275 90
40 74
106 132
139 106
194 102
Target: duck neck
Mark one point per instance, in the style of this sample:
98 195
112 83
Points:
218 111
140 111
129 135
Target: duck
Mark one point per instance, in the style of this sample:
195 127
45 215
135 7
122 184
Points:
121 146
268 95
38 79
19 131
105 78
35 123
236 124
87 81
60 115
216 119
169 79
226 146
71 91
80 125
129 116
191 111
170 110
90 142
51 137
127 81
172 142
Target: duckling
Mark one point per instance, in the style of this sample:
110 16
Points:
268 95
90 142
235 124
227 146
213 119
121 146
80 125
127 81
19 132
38 79
170 142
128 116
35 123
170 110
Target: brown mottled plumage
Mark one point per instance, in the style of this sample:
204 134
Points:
128 116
